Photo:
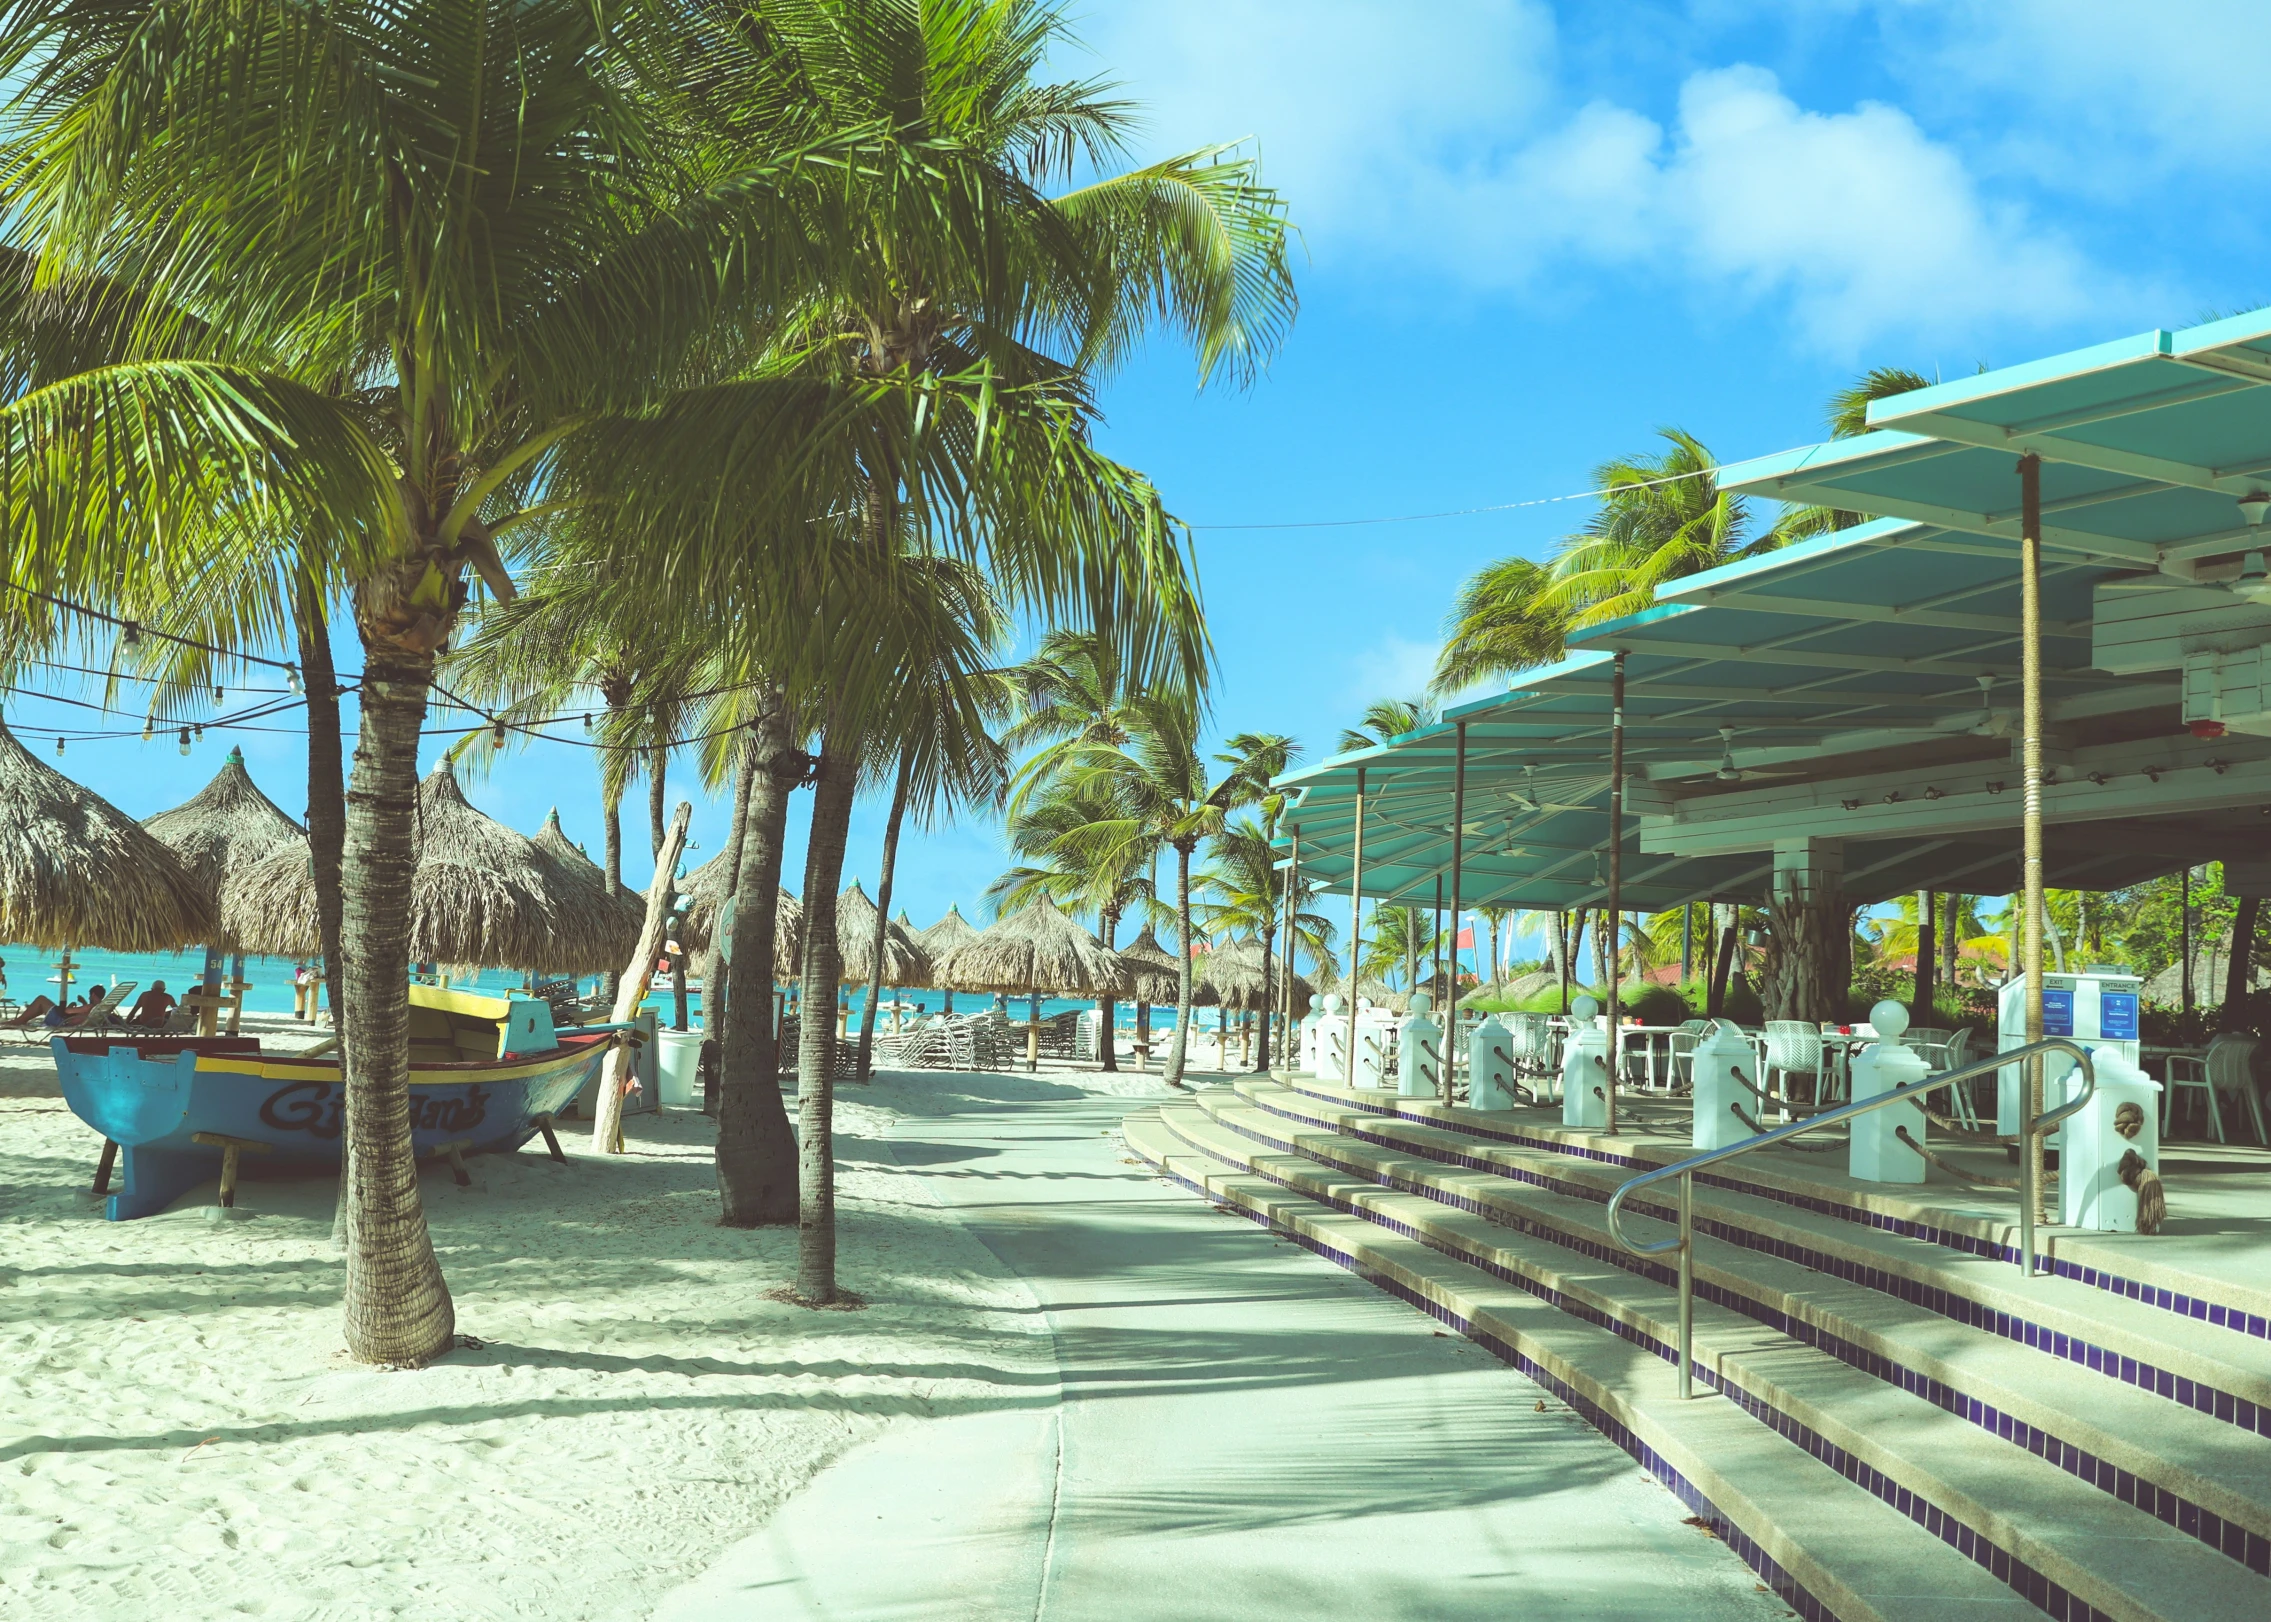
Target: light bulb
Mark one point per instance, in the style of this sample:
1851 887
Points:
587 723
219 697
497 736
131 635
185 740
149 726
59 746
292 678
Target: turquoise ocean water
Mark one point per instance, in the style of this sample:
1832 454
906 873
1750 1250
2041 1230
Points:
31 973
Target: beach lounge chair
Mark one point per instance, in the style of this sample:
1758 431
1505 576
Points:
104 1014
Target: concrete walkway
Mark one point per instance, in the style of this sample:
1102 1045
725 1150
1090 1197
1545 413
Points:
1243 1430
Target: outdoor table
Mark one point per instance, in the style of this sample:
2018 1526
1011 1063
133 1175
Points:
1651 1032
1837 1054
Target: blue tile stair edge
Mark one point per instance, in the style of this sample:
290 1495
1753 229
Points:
2198 1308
2199 1395
2227 1537
2029 1583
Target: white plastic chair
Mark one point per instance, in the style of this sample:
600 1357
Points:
2224 1068
1793 1048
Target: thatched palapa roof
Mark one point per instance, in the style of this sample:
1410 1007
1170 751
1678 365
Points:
1233 972
704 889
1037 949
224 827
1155 974
579 869
77 871
480 894
944 936
904 963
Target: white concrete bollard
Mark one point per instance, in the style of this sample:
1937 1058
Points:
1419 1052
1585 1071
1372 1028
2122 1115
1717 1060
1328 1055
1874 1150
1490 1066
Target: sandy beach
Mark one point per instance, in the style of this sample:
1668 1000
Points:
185 1437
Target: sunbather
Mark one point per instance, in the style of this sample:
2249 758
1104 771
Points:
153 1008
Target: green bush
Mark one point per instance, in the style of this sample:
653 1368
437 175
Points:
1658 1005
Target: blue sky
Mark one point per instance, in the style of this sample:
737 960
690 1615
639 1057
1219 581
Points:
1534 233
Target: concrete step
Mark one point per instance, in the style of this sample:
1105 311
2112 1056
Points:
1828 1546
2055 1530
2182 1466
2225 1375
2185 1274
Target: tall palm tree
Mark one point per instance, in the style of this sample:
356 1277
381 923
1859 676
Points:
1245 895
503 258
1170 798
1386 718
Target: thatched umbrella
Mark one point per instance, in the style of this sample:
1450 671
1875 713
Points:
938 941
704 888
1155 974
904 962
222 829
1236 973
578 869
1377 992
480 894
77 871
1033 951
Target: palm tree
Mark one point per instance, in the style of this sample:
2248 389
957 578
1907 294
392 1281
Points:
1048 832
1168 798
1072 694
1847 418
1245 895
504 261
1386 718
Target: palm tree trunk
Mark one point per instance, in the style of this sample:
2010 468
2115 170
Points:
1269 996
2239 973
866 1069
756 1151
816 1034
611 852
655 765
716 998
1107 926
398 1308
1173 1074
327 837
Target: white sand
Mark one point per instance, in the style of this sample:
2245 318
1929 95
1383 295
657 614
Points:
181 1434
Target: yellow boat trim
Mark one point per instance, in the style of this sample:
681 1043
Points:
289 1070
470 1003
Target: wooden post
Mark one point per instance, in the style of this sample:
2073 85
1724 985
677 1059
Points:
631 990
104 1165
1927 957
2030 682
2184 934
1616 878
1458 850
1355 925
231 1149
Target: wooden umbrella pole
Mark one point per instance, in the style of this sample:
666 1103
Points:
2030 683
1616 878
1458 849
1355 925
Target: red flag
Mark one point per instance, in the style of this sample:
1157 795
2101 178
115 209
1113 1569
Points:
1467 938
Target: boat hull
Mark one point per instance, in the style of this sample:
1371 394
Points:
152 1097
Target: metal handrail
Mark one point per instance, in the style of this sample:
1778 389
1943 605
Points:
1685 1170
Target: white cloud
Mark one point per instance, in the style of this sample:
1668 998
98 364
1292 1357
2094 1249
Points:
1393 667
1449 149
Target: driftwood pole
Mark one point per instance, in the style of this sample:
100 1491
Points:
1616 879
1458 849
631 990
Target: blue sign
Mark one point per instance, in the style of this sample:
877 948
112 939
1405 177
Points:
2057 1013
2117 1015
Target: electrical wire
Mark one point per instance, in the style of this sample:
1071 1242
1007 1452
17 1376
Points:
1467 512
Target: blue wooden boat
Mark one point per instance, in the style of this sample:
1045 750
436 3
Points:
483 1070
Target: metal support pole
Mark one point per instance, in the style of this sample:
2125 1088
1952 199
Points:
1687 1285
2184 933
1616 881
1458 849
1292 909
1355 924
1687 942
2030 682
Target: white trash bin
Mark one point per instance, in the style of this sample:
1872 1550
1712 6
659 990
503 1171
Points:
678 1069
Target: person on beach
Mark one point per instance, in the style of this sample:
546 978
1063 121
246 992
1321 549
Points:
153 1008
